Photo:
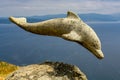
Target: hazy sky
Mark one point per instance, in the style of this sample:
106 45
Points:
43 7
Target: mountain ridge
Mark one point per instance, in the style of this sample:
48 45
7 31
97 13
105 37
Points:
90 17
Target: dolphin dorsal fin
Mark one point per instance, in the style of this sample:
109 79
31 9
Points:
72 15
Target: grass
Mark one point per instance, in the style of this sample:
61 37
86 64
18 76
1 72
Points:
6 68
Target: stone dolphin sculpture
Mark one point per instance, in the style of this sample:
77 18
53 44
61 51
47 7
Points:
71 28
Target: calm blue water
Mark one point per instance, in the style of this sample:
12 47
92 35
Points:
21 48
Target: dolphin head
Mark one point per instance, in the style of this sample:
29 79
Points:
94 46
85 36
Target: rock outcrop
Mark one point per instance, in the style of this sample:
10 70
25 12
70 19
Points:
6 68
48 71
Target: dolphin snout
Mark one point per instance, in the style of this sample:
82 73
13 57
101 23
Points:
99 54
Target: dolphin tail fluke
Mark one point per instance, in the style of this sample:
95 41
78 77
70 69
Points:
18 21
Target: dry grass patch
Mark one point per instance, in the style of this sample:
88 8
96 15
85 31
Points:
6 68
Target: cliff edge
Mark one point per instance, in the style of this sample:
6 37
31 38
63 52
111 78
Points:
48 71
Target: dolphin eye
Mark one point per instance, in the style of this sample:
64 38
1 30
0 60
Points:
95 45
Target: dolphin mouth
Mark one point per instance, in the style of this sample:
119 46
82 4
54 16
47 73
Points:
99 54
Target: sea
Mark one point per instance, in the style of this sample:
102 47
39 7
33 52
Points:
21 48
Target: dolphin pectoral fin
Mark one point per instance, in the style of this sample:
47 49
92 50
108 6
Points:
72 15
72 36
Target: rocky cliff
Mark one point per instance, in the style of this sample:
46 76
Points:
48 71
